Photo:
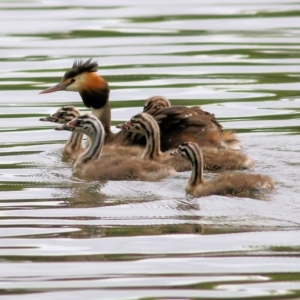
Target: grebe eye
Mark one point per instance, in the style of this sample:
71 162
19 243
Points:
73 80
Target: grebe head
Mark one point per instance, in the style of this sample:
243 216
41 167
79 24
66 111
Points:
63 115
83 78
138 123
80 77
181 151
189 151
86 124
155 104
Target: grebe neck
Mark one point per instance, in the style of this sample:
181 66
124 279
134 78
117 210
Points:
94 149
152 149
196 158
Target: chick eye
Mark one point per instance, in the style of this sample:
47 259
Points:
72 80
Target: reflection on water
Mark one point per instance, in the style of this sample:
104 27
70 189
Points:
131 240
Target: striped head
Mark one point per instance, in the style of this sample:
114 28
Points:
190 151
87 124
141 123
63 115
155 104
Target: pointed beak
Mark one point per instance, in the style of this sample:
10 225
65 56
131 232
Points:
72 123
58 87
70 126
48 119
124 126
65 127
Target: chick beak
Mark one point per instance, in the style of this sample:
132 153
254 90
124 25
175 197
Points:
72 123
48 119
124 126
69 127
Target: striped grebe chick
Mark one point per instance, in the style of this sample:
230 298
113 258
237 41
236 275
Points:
63 115
227 183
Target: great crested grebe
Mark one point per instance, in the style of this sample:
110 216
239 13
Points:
176 125
93 166
214 159
94 92
160 107
73 146
228 183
